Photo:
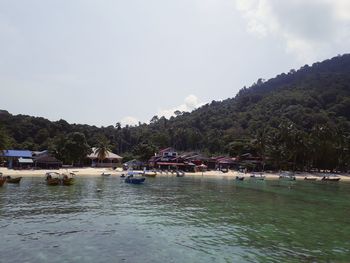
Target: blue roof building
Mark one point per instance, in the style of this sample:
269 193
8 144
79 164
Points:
16 153
17 156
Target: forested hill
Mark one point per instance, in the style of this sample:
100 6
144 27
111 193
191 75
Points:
302 117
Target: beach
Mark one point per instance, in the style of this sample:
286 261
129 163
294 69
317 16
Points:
93 172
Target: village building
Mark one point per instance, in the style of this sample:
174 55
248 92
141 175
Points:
18 159
133 165
44 160
112 160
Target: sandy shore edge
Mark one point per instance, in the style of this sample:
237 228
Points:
93 172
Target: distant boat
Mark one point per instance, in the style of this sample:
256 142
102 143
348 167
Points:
11 180
310 178
2 180
330 178
257 176
239 178
54 178
149 173
287 176
105 174
130 179
53 181
180 174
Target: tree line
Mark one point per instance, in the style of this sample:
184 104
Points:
299 120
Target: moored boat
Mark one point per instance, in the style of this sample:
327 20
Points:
257 176
68 181
287 176
2 180
330 178
150 174
54 178
105 174
180 174
11 180
310 178
53 181
130 179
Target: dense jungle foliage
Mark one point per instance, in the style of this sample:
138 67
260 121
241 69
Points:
299 120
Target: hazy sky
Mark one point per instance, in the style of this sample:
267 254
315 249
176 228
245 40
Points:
103 61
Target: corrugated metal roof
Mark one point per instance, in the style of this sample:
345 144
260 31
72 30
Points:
17 153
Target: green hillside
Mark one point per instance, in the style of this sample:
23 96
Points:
298 120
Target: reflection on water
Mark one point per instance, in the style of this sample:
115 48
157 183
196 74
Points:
173 219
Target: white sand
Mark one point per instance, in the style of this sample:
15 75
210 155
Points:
86 172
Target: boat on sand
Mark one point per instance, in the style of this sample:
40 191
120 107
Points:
288 176
330 178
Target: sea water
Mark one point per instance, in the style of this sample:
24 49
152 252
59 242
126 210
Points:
170 219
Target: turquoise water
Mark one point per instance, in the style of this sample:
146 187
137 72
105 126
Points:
173 219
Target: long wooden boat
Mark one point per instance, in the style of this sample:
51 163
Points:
134 180
53 181
11 180
2 181
68 181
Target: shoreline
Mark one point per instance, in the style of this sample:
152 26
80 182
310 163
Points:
96 172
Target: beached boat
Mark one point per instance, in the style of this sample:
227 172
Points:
257 176
310 178
239 178
330 178
149 173
11 180
288 176
180 174
130 179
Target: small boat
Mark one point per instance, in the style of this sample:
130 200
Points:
287 176
53 181
180 174
239 178
257 176
330 178
52 178
130 179
122 175
150 174
310 178
67 181
11 180
105 174
2 180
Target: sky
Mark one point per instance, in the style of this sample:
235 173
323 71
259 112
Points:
100 62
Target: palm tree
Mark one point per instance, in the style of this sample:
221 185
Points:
102 150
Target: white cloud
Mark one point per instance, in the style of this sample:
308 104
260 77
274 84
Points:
308 28
191 102
129 120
